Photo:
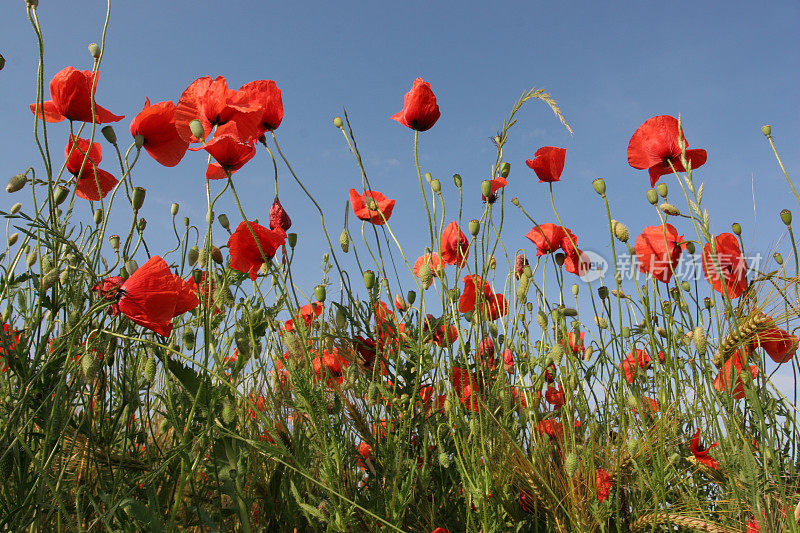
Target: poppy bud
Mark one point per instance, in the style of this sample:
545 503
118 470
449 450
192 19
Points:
94 50
216 255
131 266
196 128
2 61
766 129
188 339
486 188
411 297
98 216
173 209
138 198
337 121
662 190
778 258
685 286
556 353
109 133
652 196
428 177
737 228
505 169
560 259
541 319
690 247
12 239
602 292
786 216
278 217
138 141
192 256
625 332
575 289
141 225
457 180
568 311
341 317
320 293
292 239
492 262
7 313
436 185
223 221
669 209
601 322
369 279
474 227
599 186
344 241
150 370
60 195
399 303
620 231
90 364
425 276
114 242
571 464
699 338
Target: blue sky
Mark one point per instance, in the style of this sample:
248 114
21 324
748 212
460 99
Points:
726 67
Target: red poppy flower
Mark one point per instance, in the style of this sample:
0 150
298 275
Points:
213 104
445 335
82 158
156 123
333 364
71 91
548 163
371 207
497 184
467 388
245 253
204 292
508 361
440 530
548 237
432 260
493 306
365 450
9 338
702 454
455 246
729 378
229 151
485 355
549 427
278 217
574 341
779 344
555 396
634 360
152 296
658 251
308 313
259 402
729 262
266 97
420 110
520 262
519 397
604 483
575 261
368 351
655 144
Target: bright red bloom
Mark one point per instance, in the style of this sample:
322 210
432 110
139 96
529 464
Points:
519 396
156 123
9 338
266 97
432 261
520 262
308 313
638 358
497 184
658 251
420 110
702 454
229 151
445 335
203 291
365 450
259 402
729 262
71 91
508 361
548 163
655 144
555 396
82 158
575 261
493 306
213 104
550 427
440 530
485 355
467 388
779 344
245 253
548 237
333 364
278 217
371 207
604 483
575 342
729 378
455 246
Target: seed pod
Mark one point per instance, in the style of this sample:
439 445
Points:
778 258
411 297
599 185
786 216
505 169
571 464
16 183
12 239
291 238
320 293
344 241
457 180
661 188
193 255
109 133
131 266
620 231
474 227
700 341
150 370
766 129
338 122
341 317
436 185
94 50
223 221
737 228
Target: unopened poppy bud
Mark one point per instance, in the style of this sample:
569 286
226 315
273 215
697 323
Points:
60 195
138 198
94 50
292 239
428 177
474 227
141 225
436 185
90 364
601 322
131 266
699 338
621 231
138 141
173 209
778 258
602 292
766 129
515 201
786 216
492 262
193 255
686 286
669 209
411 297
556 353
652 196
196 128
338 122
341 317
16 183
216 255
320 293
114 242
31 259
662 190
486 188
123 273
15 208
223 221
7 313
625 332
560 259
690 247
188 339
98 216
369 279
399 303
541 319
737 228
425 276
571 463
575 289
109 133
344 241
599 186
12 239
505 169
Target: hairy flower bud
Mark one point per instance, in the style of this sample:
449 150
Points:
344 241
541 319
669 209
320 293
571 464
188 339
90 364
60 194
620 231
193 255
652 196
196 128
150 370
94 50
699 338
457 180
338 122
12 239
425 275
599 185
662 190
31 259
278 217
369 279
436 185
736 228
